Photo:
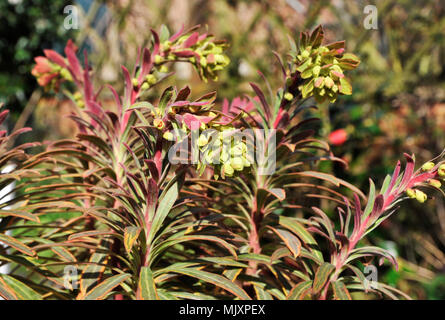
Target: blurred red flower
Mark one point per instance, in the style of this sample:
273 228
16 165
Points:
338 137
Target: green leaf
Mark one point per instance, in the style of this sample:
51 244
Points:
146 286
21 214
215 279
289 240
302 233
6 292
21 290
131 234
94 270
12 242
345 86
322 276
340 291
371 198
166 202
299 291
102 290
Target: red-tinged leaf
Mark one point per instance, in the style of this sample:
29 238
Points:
394 177
117 99
55 57
19 246
336 45
156 43
93 271
102 290
409 171
21 214
177 34
358 213
297 228
300 290
128 85
185 53
6 292
263 100
21 290
317 37
152 199
378 206
3 115
146 285
334 180
215 279
131 234
183 94
191 41
291 241
63 253
74 65
152 168
322 276
146 65
340 291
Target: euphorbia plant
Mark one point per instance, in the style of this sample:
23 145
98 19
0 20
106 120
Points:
130 221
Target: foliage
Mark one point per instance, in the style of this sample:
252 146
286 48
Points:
136 225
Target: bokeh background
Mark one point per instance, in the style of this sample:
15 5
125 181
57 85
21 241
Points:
397 106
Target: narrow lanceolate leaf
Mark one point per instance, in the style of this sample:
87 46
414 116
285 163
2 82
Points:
93 271
215 279
102 290
131 234
6 292
340 291
322 276
146 287
300 290
14 243
63 253
21 290
21 214
166 202
302 233
291 241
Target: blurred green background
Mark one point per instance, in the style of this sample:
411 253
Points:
397 106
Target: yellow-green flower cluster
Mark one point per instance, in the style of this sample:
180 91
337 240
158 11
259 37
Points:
221 151
211 59
321 68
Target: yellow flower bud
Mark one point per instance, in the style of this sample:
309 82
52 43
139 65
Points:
420 196
288 96
305 54
316 71
410 193
158 123
428 166
158 59
135 82
202 140
329 82
145 86
441 170
168 136
228 170
163 69
237 163
151 79
435 183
